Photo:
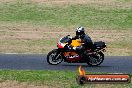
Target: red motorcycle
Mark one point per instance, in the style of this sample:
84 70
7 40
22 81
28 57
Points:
92 57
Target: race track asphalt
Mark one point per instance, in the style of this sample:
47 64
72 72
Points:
112 64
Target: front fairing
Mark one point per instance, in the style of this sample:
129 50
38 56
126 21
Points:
63 41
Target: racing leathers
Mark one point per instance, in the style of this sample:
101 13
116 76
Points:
86 42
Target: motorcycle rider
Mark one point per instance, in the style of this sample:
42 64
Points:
86 40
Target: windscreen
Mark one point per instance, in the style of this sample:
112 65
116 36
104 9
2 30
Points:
64 39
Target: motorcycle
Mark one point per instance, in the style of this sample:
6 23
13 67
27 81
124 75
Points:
93 57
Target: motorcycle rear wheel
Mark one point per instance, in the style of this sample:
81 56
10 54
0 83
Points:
54 58
95 61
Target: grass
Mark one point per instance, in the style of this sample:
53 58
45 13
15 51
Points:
27 39
121 48
93 16
27 46
124 0
56 79
71 15
109 22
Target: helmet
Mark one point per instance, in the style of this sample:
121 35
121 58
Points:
80 31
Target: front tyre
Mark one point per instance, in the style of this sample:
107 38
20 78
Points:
54 57
96 60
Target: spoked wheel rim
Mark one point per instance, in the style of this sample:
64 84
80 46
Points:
96 60
55 58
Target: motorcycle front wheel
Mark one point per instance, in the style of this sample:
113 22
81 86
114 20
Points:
96 60
54 58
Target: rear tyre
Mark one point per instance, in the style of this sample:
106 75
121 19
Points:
96 60
54 57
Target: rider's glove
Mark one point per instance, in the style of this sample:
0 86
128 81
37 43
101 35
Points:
69 47
74 48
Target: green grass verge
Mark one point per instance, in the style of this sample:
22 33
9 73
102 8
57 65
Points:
56 79
124 0
92 16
